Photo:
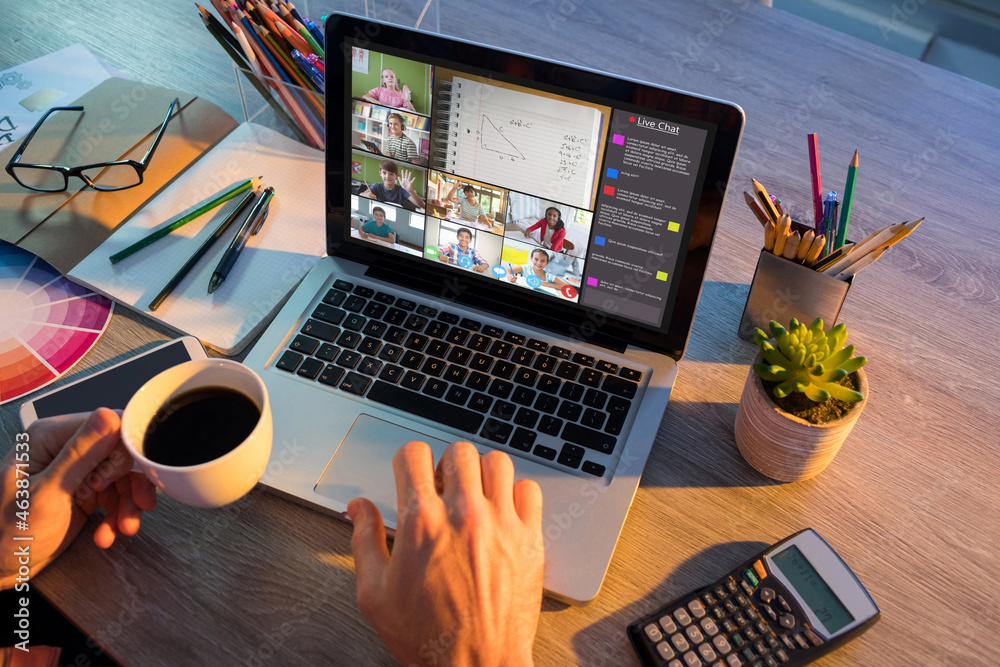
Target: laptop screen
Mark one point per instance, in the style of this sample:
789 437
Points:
569 195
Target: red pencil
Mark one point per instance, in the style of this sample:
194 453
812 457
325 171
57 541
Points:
816 185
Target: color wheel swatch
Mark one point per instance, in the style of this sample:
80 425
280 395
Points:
47 322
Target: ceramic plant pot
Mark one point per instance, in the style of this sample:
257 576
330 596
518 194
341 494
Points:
785 447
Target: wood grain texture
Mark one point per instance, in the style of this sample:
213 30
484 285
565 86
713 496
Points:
910 500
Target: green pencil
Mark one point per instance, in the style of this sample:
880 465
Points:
183 220
845 207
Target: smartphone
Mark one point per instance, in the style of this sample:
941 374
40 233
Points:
111 387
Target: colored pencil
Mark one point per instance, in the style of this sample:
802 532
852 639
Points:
752 203
766 204
845 209
184 219
817 187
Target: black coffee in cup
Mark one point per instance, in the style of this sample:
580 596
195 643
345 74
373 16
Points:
199 426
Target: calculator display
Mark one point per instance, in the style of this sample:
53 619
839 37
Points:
813 590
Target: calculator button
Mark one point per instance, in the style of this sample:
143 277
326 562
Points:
787 621
668 625
675 663
749 654
737 640
750 634
679 642
665 651
787 641
706 652
691 659
694 634
709 626
784 604
697 608
746 587
730 607
741 620
769 661
728 626
721 645
813 637
653 632
751 613
770 612
732 660
772 642
800 640
731 587
760 646
763 629
720 592
767 594
741 601
682 616
758 568
718 613
782 656
709 599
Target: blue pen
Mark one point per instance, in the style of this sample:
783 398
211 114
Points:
315 31
309 70
829 221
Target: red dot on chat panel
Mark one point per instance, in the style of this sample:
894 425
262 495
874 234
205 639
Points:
569 291
631 119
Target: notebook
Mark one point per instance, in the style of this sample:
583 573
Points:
437 320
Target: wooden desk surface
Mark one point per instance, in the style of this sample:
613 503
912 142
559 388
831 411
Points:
910 501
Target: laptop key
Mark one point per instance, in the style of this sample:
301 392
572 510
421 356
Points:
571 391
456 374
525 376
545 363
433 367
349 339
459 355
522 356
457 336
560 352
304 344
416 322
550 425
500 388
364 292
545 452
412 381
348 359
354 303
449 318
355 322
344 285
320 330
391 373
590 377
411 359
405 304
567 370
437 329
457 395
390 353
503 410
370 346
607 367
369 365
374 309
492 331
524 396
537 345
546 403
523 439
630 374
435 387
421 405
583 359
478 381
595 398
549 384
479 342
328 352
375 328
593 468
355 383
383 297
500 349
395 335
619 387
496 431
515 338
395 316
570 411
471 325
480 402
592 418
504 369
437 348
416 342
335 297
289 361
569 457
331 375
589 438
329 314
481 362
310 368
526 417
427 311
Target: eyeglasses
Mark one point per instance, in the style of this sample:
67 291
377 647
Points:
114 175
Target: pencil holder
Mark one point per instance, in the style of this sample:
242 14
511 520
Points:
783 289
292 110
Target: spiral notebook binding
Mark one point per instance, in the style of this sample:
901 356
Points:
447 113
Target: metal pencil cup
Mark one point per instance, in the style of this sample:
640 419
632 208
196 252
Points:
783 289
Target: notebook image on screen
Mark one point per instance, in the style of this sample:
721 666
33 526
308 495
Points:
527 283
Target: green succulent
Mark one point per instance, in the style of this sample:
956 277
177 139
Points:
808 360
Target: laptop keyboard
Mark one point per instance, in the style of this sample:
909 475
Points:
556 406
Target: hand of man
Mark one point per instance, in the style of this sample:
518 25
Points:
76 463
463 585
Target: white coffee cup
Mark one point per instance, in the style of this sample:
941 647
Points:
219 481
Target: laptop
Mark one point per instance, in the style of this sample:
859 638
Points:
561 355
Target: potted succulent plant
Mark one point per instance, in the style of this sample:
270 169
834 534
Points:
801 399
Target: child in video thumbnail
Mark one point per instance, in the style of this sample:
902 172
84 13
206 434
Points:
554 229
454 252
470 208
537 262
399 146
389 92
395 188
377 226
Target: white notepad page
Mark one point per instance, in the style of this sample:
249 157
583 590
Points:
523 142
272 263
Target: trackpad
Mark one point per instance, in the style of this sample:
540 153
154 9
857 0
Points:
362 465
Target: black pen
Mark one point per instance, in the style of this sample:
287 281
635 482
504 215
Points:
250 228
175 281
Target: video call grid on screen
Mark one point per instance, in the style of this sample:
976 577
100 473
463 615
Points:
621 186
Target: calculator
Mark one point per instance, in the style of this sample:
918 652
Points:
790 604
